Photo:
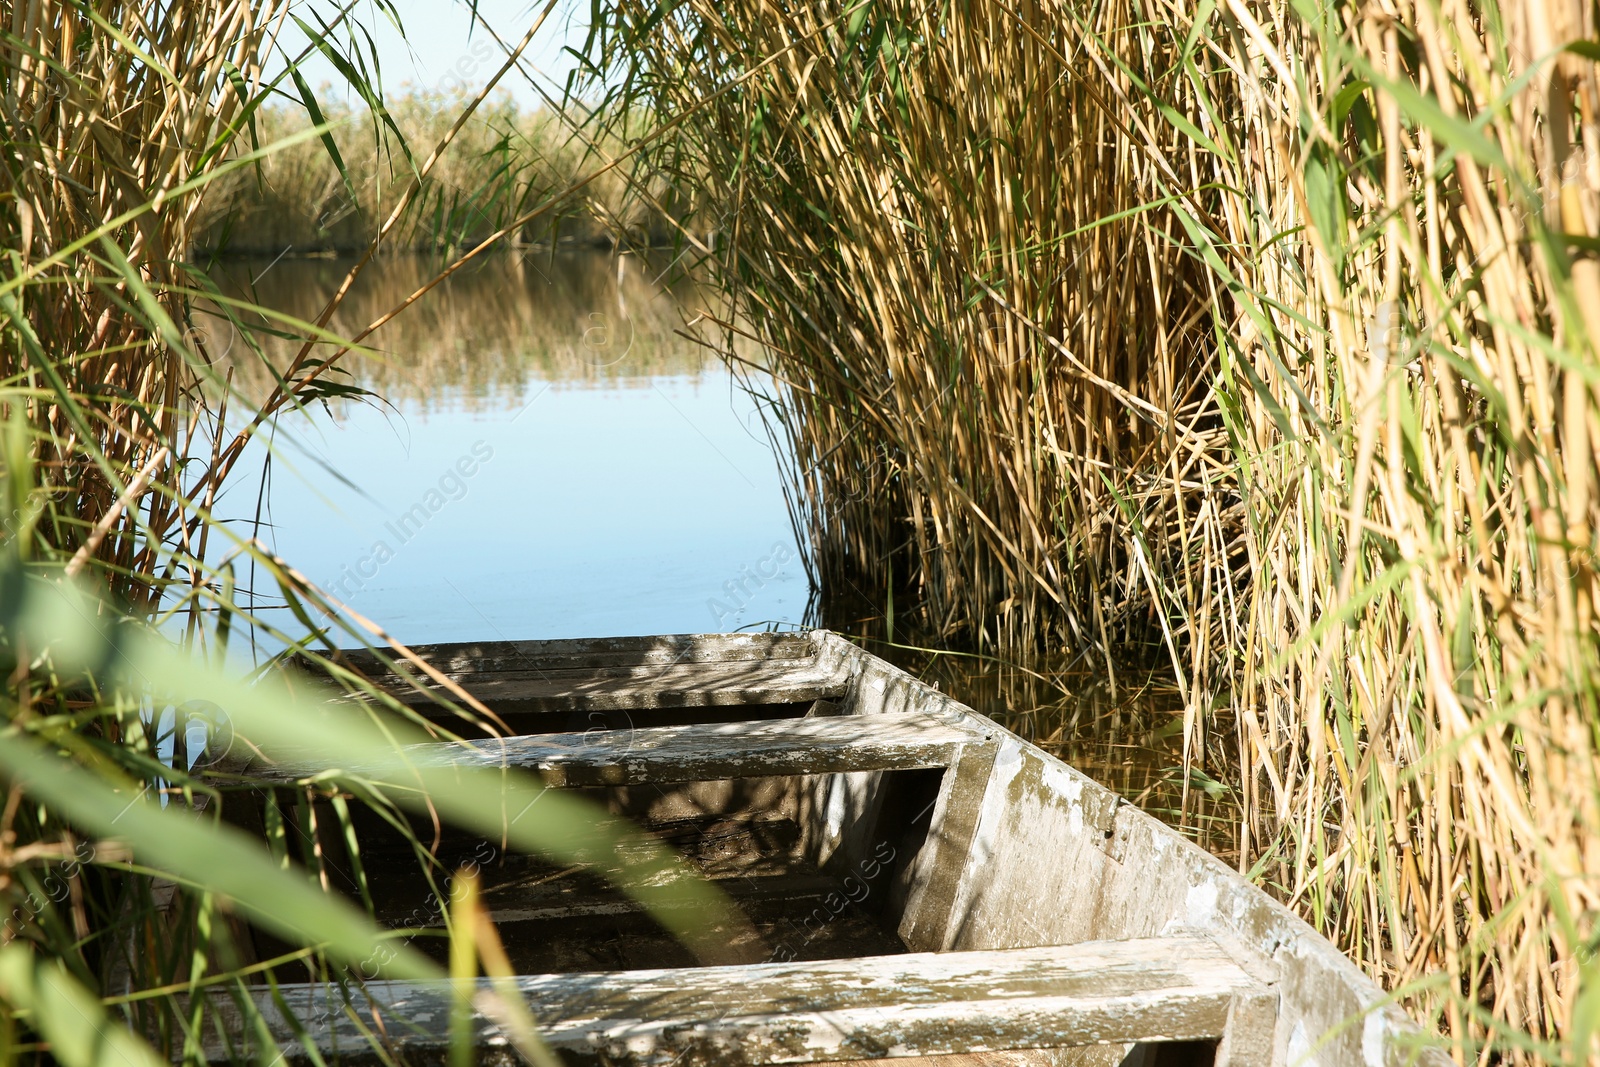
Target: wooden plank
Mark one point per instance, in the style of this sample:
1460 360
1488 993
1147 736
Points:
1174 988
487 657
703 752
934 874
648 686
1251 1031
563 903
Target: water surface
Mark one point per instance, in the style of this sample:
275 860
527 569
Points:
549 458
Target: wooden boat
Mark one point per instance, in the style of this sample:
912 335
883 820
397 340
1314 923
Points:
919 882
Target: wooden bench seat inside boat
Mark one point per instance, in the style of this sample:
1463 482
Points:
656 755
926 1004
618 683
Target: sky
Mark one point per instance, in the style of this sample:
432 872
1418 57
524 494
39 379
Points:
442 47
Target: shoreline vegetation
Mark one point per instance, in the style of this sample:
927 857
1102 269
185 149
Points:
1258 339
308 199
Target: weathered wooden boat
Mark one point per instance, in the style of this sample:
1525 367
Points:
919 882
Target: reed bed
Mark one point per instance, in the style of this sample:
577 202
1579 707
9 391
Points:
1259 336
306 199
954 361
105 160
109 140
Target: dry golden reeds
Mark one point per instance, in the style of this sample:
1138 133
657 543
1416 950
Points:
505 160
1421 712
111 133
1261 334
956 357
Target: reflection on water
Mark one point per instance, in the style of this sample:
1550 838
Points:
528 475
580 319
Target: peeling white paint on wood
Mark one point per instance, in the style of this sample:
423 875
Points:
642 688
1065 860
659 755
474 659
885 1006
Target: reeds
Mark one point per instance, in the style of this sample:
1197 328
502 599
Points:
1259 335
1422 704
901 215
109 137
504 160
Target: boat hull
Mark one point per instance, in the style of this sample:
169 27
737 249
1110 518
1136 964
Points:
958 837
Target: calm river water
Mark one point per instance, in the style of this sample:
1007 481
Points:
549 459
